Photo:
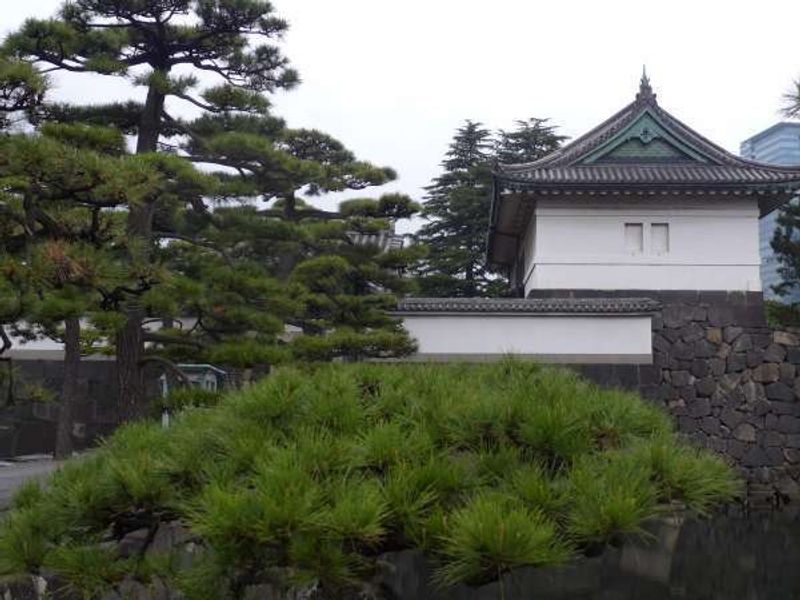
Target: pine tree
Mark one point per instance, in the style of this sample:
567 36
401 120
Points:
323 283
60 227
152 43
232 252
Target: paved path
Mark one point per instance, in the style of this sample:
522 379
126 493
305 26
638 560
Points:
14 474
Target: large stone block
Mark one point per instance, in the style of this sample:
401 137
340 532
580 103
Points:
754 358
788 372
793 355
731 418
700 368
710 425
788 424
705 386
720 316
761 408
701 407
704 349
779 391
755 457
774 353
717 366
714 335
661 343
785 338
742 344
731 333
737 361
785 408
753 392
736 449
692 332
766 373
682 351
681 378
649 375
676 315
730 381
745 432
660 359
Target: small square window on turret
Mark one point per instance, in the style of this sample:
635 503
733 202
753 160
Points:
634 238
659 238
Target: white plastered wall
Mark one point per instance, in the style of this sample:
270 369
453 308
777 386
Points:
579 243
549 338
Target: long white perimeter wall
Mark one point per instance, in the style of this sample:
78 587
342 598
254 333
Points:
555 339
579 243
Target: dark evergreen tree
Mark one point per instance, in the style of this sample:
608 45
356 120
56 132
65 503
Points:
529 141
458 203
457 211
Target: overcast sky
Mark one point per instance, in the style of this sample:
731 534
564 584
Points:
393 80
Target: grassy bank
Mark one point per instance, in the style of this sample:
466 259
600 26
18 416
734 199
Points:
308 476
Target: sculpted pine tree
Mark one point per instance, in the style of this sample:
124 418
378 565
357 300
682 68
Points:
163 45
328 272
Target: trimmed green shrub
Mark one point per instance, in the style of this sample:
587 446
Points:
306 477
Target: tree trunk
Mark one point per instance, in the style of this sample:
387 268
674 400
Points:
69 387
130 346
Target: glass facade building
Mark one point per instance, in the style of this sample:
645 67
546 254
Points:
780 145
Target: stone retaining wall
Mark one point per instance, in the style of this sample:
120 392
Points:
731 383
27 425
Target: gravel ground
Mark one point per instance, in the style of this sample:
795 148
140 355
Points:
15 473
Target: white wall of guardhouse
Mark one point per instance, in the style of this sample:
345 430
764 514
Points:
579 243
549 338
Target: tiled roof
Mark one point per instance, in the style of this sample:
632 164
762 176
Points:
716 167
528 305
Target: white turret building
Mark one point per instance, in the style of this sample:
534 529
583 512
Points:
595 234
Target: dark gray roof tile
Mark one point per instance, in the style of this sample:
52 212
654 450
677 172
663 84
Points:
528 305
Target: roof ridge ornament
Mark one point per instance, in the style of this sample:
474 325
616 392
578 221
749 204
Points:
645 90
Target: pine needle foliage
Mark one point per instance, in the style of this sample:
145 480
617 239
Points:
305 478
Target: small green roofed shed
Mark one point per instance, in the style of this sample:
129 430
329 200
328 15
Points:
641 151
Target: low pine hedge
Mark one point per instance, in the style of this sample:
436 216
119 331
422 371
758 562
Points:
308 476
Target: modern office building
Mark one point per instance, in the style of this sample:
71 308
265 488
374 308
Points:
780 145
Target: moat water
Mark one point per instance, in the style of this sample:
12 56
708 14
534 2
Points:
756 557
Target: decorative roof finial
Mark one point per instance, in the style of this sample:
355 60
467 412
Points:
645 91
